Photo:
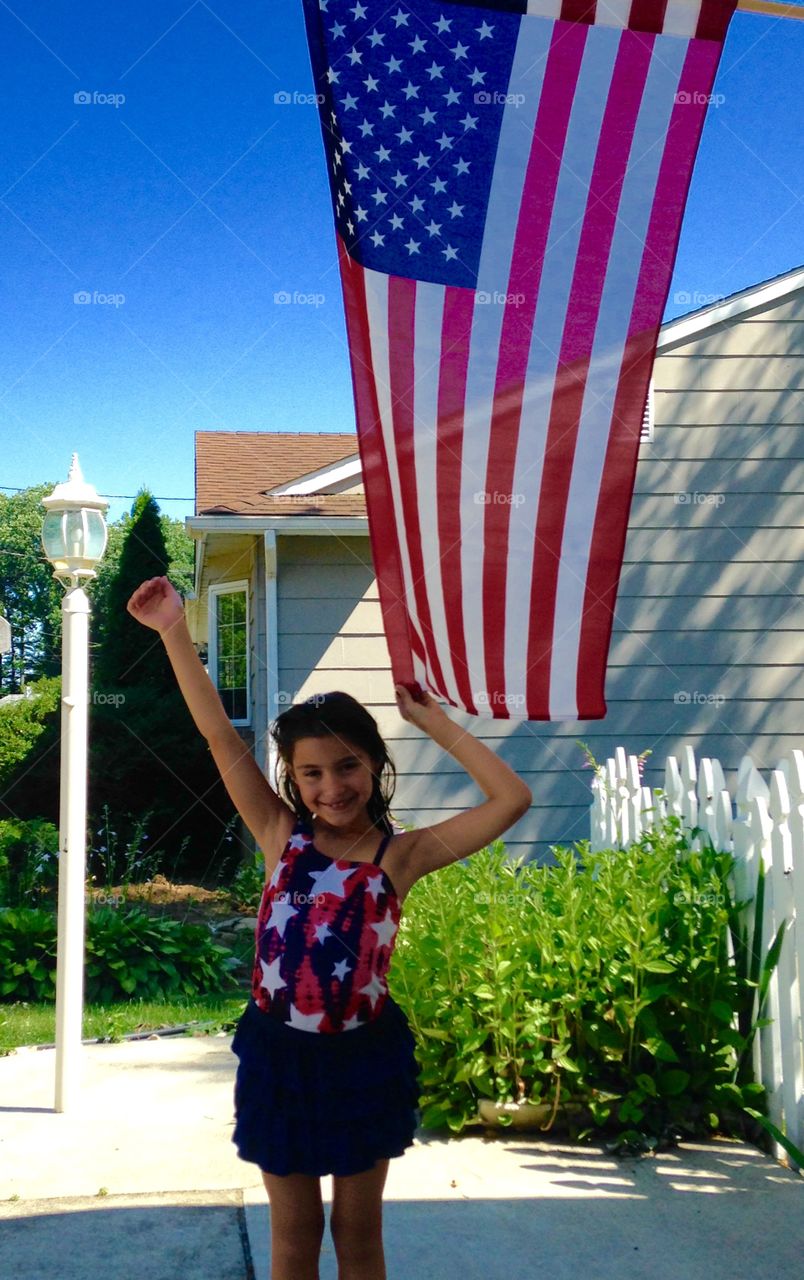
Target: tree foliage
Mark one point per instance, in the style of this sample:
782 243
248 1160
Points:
30 597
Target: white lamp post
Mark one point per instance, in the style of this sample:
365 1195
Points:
74 540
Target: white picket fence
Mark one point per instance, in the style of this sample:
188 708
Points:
765 823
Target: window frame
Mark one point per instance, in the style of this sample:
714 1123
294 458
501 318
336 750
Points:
215 590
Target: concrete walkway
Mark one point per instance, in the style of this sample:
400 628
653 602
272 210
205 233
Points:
142 1182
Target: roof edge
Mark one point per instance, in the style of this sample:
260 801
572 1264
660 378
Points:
756 296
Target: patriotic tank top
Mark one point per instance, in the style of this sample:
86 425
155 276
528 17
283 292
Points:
325 935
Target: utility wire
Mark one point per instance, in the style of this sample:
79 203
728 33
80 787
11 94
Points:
14 488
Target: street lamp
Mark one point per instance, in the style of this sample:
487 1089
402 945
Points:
74 540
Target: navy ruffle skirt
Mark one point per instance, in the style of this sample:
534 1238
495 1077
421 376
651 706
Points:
317 1103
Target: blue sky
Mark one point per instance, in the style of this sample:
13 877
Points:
183 197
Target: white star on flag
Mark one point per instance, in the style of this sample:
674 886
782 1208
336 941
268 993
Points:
341 969
270 976
322 932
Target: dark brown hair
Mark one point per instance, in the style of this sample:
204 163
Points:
341 716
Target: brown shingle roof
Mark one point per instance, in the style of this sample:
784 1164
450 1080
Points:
234 468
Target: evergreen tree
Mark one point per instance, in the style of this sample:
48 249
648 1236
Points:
127 655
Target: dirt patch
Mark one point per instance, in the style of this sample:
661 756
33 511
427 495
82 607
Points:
190 903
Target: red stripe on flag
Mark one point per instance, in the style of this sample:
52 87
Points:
456 334
714 19
549 136
578 10
647 15
401 341
653 286
614 148
399 631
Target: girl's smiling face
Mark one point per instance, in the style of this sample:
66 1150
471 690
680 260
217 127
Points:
335 780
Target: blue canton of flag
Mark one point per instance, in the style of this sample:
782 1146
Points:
411 110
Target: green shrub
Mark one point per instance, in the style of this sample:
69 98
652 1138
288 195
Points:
127 953
29 859
29 756
27 954
603 981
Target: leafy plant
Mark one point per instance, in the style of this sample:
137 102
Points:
116 866
249 882
27 954
601 985
29 852
126 953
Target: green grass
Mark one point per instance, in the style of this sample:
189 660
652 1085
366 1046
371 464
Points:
24 1024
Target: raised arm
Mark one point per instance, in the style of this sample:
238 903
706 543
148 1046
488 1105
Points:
157 604
508 796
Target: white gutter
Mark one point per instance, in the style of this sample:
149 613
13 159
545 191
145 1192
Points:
199 566
196 525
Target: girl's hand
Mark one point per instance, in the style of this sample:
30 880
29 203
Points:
423 711
157 604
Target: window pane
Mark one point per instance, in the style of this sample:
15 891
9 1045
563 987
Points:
232 643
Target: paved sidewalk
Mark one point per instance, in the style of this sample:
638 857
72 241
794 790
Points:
142 1182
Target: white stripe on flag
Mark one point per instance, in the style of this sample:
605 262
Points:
429 315
527 74
613 12
545 8
611 333
681 17
572 195
376 284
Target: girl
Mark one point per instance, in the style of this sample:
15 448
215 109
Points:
327 1077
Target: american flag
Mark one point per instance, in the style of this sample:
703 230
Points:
508 183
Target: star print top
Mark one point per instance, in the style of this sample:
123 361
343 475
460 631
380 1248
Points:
325 935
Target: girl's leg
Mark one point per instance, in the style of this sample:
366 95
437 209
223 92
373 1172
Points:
297 1225
356 1223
